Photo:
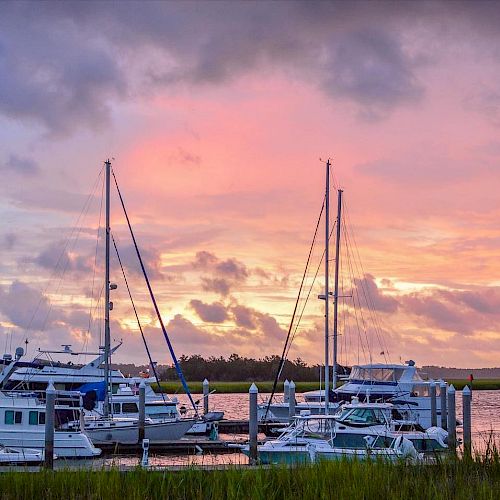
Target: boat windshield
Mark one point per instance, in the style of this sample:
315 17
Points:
376 374
310 427
362 416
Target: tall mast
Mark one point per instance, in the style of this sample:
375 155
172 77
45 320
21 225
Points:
336 291
107 337
327 259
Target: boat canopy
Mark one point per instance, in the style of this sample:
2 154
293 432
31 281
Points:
382 373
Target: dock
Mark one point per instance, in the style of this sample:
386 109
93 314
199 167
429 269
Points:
241 427
186 446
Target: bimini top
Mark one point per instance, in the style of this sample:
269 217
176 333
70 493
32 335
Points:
384 373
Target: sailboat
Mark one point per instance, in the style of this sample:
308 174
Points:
108 428
399 384
279 411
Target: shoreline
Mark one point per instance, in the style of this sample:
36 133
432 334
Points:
172 387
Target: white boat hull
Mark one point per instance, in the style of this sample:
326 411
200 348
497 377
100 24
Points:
66 444
156 432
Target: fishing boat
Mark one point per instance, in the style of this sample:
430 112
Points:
311 450
359 430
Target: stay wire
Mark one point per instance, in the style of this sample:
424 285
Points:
283 354
153 367
153 299
63 250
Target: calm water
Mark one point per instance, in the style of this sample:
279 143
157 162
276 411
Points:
485 407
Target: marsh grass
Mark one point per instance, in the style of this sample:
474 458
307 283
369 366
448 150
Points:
234 387
477 477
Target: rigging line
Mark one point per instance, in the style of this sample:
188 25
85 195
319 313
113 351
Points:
95 255
96 309
160 319
52 276
282 359
357 294
310 290
297 324
363 321
354 295
369 301
66 265
138 320
375 315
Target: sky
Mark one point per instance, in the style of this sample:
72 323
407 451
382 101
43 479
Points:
217 117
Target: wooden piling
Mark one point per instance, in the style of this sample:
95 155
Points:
452 419
252 424
142 410
444 416
50 405
206 394
467 420
291 401
433 404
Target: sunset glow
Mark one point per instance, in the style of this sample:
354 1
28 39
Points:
216 142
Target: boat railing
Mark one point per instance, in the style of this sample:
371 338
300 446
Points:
63 398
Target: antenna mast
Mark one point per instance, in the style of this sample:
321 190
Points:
327 259
336 291
107 336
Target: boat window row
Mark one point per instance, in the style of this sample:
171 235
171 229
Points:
12 417
376 374
363 416
125 408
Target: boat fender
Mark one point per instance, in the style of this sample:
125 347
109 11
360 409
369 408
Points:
405 447
439 434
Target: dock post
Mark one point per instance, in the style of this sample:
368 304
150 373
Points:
206 393
467 418
252 424
142 410
50 410
452 419
433 404
286 391
444 417
291 401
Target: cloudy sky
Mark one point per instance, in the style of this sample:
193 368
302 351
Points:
216 116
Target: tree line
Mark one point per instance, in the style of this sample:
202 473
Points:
240 368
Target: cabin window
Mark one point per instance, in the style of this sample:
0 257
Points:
33 418
41 418
13 417
116 408
420 391
130 408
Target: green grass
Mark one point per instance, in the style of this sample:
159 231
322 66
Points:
477 479
479 384
232 387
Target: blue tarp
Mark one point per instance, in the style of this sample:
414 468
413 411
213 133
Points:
98 387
